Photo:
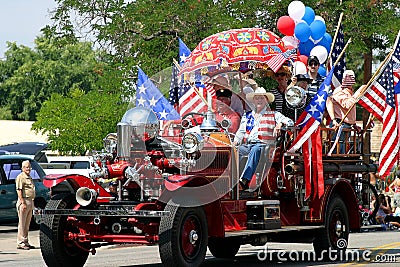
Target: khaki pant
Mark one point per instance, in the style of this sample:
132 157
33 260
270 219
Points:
24 221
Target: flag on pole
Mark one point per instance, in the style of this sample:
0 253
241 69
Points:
310 140
276 62
177 86
148 95
185 96
380 100
341 65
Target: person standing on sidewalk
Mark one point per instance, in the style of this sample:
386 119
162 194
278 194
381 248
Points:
26 194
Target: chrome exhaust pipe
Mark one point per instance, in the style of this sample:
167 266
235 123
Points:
85 196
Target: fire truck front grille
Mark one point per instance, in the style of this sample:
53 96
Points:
212 162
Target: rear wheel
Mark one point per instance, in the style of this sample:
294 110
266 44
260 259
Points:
223 247
183 236
334 237
57 249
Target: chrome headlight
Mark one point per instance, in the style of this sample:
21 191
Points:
192 142
296 96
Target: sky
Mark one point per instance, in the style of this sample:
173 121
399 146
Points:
21 21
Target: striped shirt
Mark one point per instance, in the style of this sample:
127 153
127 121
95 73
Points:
279 99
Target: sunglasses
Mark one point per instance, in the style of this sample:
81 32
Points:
280 74
313 64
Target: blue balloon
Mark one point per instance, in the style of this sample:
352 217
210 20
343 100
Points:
302 31
322 70
306 47
318 29
328 37
325 43
309 15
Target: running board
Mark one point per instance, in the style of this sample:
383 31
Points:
283 229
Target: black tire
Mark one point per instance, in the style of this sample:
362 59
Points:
335 235
183 236
56 251
223 247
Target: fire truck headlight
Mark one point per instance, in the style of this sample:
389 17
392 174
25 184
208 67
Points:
192 142
296 96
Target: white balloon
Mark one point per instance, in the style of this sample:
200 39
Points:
290 41
296 10
320 52
299 68
319 18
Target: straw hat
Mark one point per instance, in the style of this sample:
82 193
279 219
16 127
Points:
222 81
260 91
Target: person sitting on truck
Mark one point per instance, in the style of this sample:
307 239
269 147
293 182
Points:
343 102
257 128
223 110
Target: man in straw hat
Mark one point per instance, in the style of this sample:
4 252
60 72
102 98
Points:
257 128
282 76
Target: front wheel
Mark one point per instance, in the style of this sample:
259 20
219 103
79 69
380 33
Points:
334 236
57 249
183 236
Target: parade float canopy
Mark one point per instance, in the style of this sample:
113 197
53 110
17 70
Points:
239 49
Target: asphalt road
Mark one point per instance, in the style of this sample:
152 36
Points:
380 248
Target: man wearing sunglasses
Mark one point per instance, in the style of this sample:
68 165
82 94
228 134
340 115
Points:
282 76
312 73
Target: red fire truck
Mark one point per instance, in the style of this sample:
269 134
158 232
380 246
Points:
181 192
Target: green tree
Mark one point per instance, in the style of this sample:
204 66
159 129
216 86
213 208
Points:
77 123
29 77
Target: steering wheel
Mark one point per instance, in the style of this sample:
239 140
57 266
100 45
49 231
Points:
193 118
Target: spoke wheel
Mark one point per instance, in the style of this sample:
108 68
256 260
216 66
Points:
334 237
57 249
183 236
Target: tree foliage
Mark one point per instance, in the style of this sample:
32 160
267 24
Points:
145 31
29 77
77 123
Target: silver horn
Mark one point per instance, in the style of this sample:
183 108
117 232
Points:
85 196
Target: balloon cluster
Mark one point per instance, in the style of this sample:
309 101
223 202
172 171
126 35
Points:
307 32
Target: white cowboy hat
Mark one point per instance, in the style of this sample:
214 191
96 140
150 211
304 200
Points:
260 91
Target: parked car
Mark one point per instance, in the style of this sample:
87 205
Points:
10 167
82 165
35 150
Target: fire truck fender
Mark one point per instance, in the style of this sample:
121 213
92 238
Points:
345 191
71 183
198 191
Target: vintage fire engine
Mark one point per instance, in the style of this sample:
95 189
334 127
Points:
182 193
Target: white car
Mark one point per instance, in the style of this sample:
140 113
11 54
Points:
68 165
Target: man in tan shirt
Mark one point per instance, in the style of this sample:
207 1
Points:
26 194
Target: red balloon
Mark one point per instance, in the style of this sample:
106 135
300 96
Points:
286 25
303 59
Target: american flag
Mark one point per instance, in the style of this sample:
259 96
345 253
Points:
185 96
177 87
341 66
277 61
309 138
379 99
148 95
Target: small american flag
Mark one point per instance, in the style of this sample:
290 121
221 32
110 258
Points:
277 61
341 66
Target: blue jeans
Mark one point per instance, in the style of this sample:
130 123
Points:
342 138
254 153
